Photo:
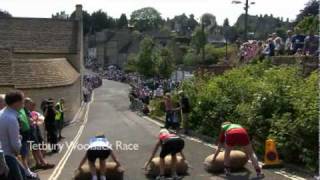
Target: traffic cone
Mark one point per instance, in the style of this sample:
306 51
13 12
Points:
271 157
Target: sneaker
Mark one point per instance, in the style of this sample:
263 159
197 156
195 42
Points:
227 172
31 175
160 178
176 177
260 175
47 166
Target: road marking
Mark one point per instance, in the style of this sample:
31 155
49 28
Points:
78 112
279 172
57 171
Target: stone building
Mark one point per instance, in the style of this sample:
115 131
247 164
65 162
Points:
43 58
112 47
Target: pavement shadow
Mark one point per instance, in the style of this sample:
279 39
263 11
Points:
151 177
242 174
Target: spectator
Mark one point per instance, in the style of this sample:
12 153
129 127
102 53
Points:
26 132
50 125
311 44
279 47
288 44
60 117
274 36
185 110
260 54
169 110
2 101
269 50
10 135
36 120
297 41
4 169
299 53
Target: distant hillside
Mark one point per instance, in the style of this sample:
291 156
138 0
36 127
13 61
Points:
262 25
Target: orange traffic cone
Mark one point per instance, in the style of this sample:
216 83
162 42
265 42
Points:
271 157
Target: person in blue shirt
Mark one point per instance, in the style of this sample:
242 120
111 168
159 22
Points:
99 148
297 41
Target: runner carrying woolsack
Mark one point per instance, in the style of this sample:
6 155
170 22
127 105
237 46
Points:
235 135
99 148
171 144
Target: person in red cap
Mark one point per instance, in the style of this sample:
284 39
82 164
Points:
232 135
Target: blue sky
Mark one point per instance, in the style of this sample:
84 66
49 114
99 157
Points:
168 8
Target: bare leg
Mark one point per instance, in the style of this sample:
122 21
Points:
182 155
93 169
161 167
36 157
249 151
102 168
227 152
174 165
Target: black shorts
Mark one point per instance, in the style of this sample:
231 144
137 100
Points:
171 146
101 154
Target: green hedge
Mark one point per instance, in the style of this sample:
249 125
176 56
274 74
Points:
271 102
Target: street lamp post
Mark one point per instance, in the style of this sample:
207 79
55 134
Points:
204 44
246 8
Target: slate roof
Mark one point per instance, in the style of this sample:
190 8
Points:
37 73
39 35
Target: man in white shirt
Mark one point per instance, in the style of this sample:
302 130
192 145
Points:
99 148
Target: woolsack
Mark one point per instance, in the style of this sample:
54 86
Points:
112 172
238 160
154 168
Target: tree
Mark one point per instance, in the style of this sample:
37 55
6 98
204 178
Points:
4 14
311 9
123 21
199 39
60 15
191 58
145 19
165 63
146 62
131 64
309 23
86 19
226 23
180 24
226 29
209 21
192 23
99 20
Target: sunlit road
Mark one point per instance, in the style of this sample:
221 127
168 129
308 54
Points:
109 114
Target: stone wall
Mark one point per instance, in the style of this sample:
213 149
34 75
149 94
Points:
71 94
307 63
5 66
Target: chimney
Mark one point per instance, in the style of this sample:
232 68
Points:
78 12
80 49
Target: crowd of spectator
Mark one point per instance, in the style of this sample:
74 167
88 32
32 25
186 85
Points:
115 74
22 131
295 44
90 82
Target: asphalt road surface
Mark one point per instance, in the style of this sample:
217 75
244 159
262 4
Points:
109 113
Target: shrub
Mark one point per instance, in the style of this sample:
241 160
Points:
271 102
